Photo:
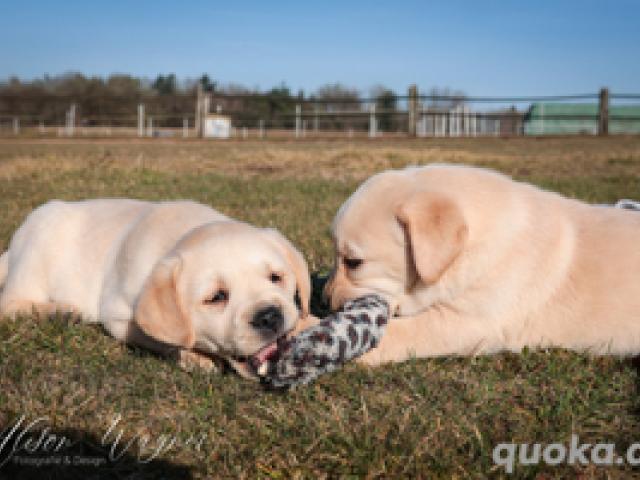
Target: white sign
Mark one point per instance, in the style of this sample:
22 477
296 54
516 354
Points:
217 126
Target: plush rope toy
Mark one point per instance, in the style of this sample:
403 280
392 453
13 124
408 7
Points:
338 338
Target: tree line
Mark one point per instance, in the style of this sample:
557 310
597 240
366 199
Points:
114 100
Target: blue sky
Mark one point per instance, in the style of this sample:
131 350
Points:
482 47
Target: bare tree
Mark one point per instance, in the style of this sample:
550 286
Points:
338 97
386 107
445 98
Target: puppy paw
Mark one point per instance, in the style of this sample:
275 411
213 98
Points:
190 360
303 324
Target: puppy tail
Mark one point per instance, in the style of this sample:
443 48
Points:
4 268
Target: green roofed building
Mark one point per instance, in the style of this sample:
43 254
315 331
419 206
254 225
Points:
546 119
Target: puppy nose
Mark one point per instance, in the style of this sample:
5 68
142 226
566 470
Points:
268 319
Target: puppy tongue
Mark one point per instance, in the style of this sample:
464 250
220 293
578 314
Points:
265 353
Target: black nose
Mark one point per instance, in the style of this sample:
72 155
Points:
268 319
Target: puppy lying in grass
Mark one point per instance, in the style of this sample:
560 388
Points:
471 261
178 277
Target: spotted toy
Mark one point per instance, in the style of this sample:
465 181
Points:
338 338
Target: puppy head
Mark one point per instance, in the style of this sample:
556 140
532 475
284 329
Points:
228 289
391 237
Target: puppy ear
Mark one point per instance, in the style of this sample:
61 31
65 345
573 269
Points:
159 311
436 232
298 265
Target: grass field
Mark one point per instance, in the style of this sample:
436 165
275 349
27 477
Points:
434 418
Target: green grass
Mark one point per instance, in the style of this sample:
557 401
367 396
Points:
425 418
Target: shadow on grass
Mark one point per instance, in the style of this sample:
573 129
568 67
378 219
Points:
47 453
318 305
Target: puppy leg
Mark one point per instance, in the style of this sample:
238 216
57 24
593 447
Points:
186 359
190 360
14 308
42 309
431 334
243 369
303 324
4 269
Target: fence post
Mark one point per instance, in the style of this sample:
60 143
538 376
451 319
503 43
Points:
424 121
413 110
198 126
603 112
298 120
150 127
447 130
141 119
373 127
185 127
465 120
315 118
261 128
16 126
71 120
204 111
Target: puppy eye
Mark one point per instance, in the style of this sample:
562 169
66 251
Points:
275 278
352 263
218 297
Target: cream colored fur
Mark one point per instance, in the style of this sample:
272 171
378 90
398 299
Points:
146 271
474 262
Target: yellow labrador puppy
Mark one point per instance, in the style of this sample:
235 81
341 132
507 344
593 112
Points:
161 275
474 262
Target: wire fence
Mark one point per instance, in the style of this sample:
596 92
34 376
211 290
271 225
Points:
272 115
